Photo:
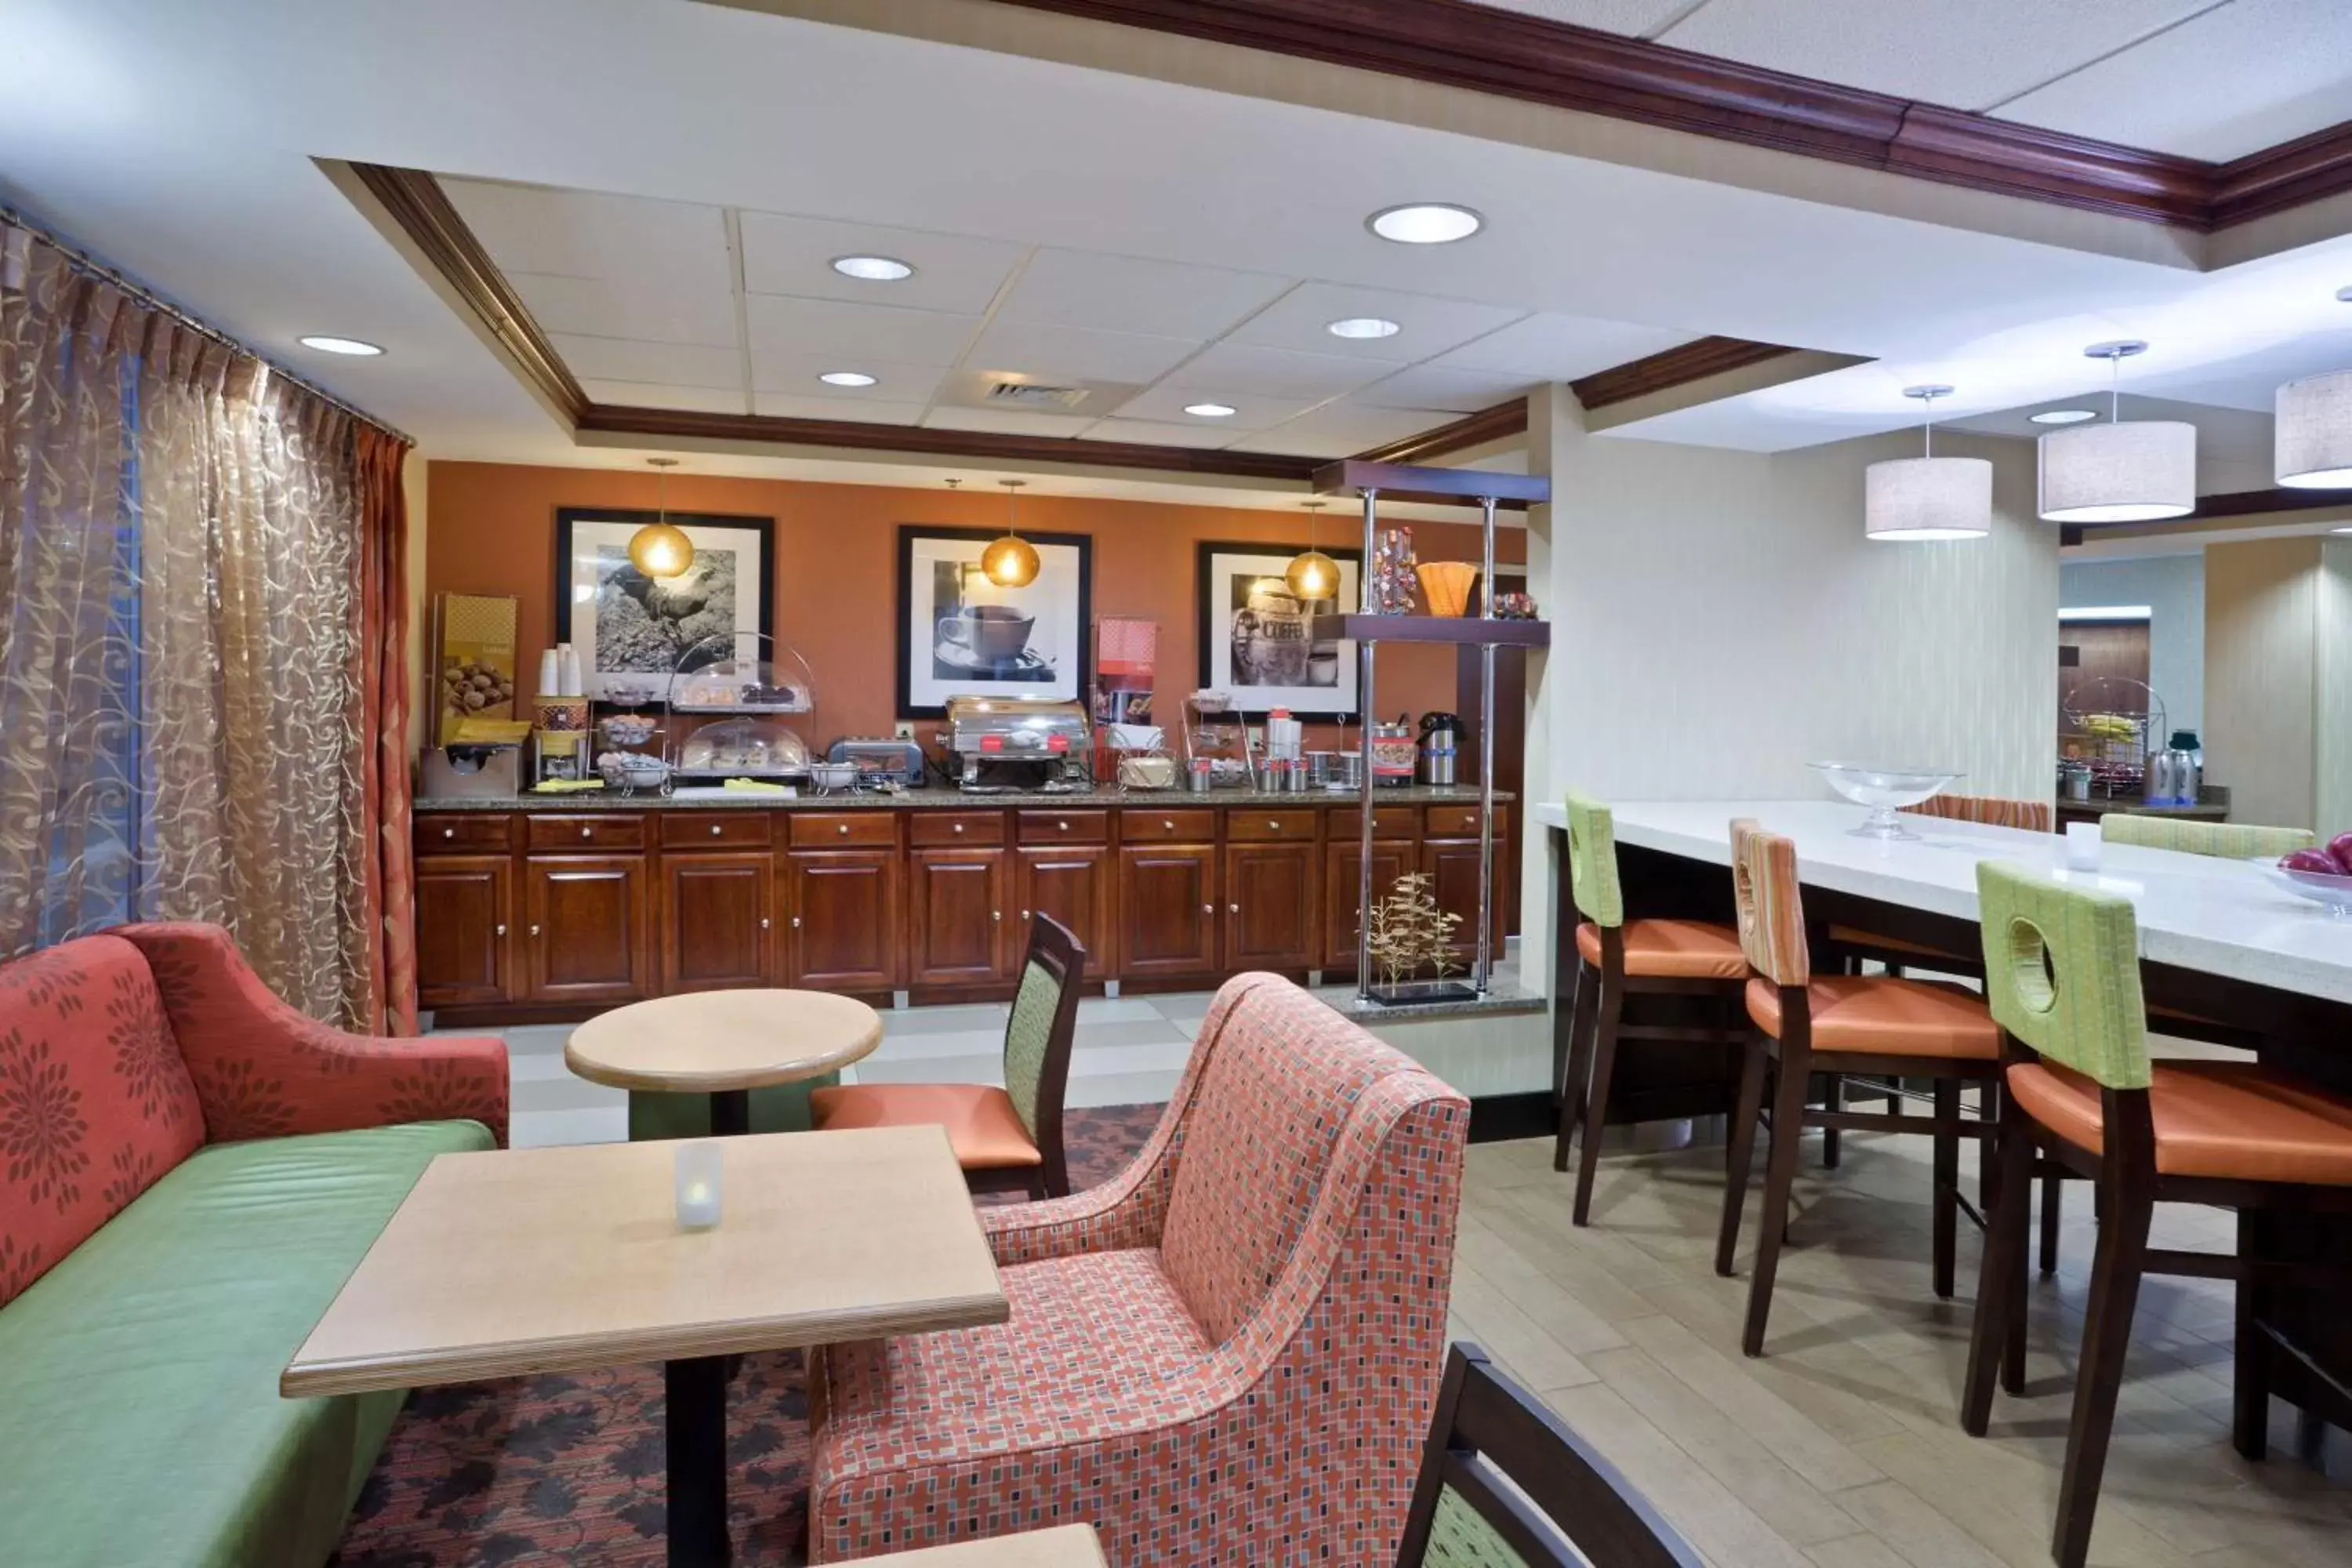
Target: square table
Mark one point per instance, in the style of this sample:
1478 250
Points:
510 1262
1063 1546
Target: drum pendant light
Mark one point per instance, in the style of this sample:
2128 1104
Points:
2122 471
1010 562
1927 496
661 549
2314 443
1312 575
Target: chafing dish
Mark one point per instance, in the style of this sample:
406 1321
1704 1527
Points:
999 743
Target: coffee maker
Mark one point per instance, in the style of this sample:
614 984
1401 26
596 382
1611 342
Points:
1441 747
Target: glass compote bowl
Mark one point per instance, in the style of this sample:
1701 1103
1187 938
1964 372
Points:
1886 791
2333 894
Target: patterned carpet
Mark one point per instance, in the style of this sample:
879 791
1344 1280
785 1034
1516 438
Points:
568 1469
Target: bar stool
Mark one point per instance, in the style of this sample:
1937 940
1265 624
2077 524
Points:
1616 958
1876 1023
2231 840
2062 975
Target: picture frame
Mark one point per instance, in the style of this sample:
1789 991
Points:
1260 651
958 634
631 630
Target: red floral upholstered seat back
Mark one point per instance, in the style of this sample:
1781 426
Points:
95 1102
1286 1074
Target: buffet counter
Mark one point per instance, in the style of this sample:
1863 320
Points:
545 909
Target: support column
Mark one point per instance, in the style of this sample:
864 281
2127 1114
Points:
1555 439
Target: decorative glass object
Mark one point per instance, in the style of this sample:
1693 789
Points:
1391 582
697 1176
2333 894
1886 791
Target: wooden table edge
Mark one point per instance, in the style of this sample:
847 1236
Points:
770 1077
478 1364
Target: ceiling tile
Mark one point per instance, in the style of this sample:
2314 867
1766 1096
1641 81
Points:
1153 433
1559 347
669 364
872 331
587 234
645 394
1076 353
775 371
1128 294
792 406
656 313
1962 57
1006 421
1299 321
1342 429
1226 371
2245 76
794 255
1166 405
1427 387
1635 18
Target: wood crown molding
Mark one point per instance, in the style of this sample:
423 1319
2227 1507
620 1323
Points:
1499 423
1509 54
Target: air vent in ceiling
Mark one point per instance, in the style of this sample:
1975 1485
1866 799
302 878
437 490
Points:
1053 399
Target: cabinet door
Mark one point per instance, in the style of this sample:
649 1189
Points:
956 907
844 919
1167 904
718 921
1073 884
465 908
1270 906
1452 868
587 928
1391 859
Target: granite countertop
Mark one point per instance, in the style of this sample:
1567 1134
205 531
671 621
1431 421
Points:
934 799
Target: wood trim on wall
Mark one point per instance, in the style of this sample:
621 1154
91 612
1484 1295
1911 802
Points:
1509 54
1500 423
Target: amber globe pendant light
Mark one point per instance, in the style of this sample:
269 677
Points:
661 549
1010 562
1312 575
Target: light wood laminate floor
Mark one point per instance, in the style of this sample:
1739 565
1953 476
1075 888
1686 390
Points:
1841 1449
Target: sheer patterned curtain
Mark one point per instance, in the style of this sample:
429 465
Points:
200 629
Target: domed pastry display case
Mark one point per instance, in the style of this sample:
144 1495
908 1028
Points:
747 686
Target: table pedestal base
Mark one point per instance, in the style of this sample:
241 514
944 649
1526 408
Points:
695 1421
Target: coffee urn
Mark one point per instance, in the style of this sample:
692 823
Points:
1441 747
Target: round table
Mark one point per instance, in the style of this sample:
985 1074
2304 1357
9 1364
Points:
724 1044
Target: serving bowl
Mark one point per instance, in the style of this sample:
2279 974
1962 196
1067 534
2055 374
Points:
1886 791
2333 894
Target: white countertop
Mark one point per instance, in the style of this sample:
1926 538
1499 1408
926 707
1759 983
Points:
2195 912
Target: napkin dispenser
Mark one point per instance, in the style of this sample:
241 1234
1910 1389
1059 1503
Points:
471 771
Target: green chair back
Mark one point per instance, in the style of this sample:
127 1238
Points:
1592 861
2062 973
2232 840
1029 1040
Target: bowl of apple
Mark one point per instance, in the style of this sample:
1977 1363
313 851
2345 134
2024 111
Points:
2323 875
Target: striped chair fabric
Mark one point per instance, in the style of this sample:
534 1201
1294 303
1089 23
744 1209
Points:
1592 861
2231 841
2062 973
2033 815
1771 908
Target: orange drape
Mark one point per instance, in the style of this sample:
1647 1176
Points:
391 893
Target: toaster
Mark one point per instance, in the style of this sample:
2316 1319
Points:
880 760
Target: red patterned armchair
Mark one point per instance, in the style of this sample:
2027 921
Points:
1229 1354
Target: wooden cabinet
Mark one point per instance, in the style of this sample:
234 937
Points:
465 916
844 907
718 923
1452 868
956 906
1391 859
586 928
1072 883
1167 910
1270 906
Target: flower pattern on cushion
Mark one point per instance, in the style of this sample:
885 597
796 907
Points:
95 1102
263 1068
1298 1439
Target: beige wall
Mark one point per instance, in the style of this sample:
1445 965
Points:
2261 678
2332 788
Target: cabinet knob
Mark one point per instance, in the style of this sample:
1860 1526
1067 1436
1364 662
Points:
763 923
714 830
586 831
449 833
1271 825
501 928
845 829
959 827
796 922
1024 914
1166 824
1208 909
1063 825
1233 908
996 914
534 930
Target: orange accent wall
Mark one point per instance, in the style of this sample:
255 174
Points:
490 529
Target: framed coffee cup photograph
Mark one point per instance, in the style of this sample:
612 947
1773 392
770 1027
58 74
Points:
1258 638
962 635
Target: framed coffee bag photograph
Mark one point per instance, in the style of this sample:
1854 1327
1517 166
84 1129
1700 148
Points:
1256 637
961 635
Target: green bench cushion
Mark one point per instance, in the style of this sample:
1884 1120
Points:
139 1418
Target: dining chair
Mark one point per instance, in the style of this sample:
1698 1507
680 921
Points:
2062 975
1505 1483
1007 1140
1883 1024
1616 958
2231 840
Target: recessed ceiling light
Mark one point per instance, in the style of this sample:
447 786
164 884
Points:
2064 416
1363 327
338 345
1210 410
846 378
873 268
1426 223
